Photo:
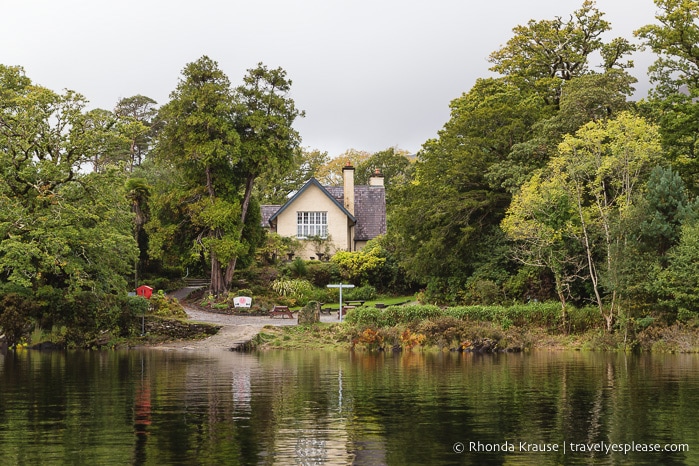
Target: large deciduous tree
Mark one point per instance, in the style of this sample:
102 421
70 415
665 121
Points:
62 232
675 73
587 193
545 53
442 218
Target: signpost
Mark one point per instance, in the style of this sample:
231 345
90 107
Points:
340 286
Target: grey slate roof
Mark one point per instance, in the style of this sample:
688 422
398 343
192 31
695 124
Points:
267 211
369 210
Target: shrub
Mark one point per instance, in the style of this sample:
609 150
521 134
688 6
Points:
298 268
14 317
364 293
547 315
392 315
166 306
322 274
296 289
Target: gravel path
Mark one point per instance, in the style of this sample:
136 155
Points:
235 329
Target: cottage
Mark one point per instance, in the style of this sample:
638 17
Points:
344 217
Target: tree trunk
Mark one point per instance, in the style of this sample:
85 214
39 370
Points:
218 284
230 269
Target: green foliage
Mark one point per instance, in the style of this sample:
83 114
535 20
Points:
15 314
296 289
165 306
393 164
322 274
63 233
442 218
679 283
358 267
547 315
543 54
364 293
673 104
298 268
276 247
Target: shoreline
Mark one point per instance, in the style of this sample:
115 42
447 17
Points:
236 331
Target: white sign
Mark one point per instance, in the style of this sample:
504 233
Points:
242 301
340 286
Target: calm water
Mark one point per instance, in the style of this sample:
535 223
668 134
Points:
158 407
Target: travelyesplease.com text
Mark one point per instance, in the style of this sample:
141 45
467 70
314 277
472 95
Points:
568 447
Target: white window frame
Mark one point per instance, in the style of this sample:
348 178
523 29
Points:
311 224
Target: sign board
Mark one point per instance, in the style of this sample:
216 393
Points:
242 301
341 286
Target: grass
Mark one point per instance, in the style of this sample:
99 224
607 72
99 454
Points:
387 300
318 336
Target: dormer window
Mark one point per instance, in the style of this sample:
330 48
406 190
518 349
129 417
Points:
311 224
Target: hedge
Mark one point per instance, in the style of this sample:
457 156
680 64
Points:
546 315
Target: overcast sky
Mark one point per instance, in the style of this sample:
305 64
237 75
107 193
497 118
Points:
370 74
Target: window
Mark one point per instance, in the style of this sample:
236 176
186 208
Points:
311 224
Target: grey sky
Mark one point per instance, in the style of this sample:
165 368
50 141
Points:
370 74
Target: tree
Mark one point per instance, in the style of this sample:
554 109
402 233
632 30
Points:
330 174
63 233
591 97
545 53
138 192
138 114
395 165
673 102
441 219
603 168
107 141
674 41
263 119
541 221
274 186
199 140
679 283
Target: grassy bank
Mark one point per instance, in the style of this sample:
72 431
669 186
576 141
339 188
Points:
478 329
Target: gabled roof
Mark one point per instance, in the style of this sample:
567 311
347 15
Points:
309 183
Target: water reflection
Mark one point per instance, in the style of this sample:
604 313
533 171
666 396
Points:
159 407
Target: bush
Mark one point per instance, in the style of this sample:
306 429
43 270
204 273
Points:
392 315
322 274
547 315
166 306
298 268
296 289
364 293
14 317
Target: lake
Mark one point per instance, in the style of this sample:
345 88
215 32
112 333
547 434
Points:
162 407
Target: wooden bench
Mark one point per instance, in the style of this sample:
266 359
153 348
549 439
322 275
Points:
327 310
281 311
344 310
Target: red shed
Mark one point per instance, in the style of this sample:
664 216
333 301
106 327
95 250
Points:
145 291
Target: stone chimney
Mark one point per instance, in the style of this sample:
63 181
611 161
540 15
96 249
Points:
376 178
348 184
